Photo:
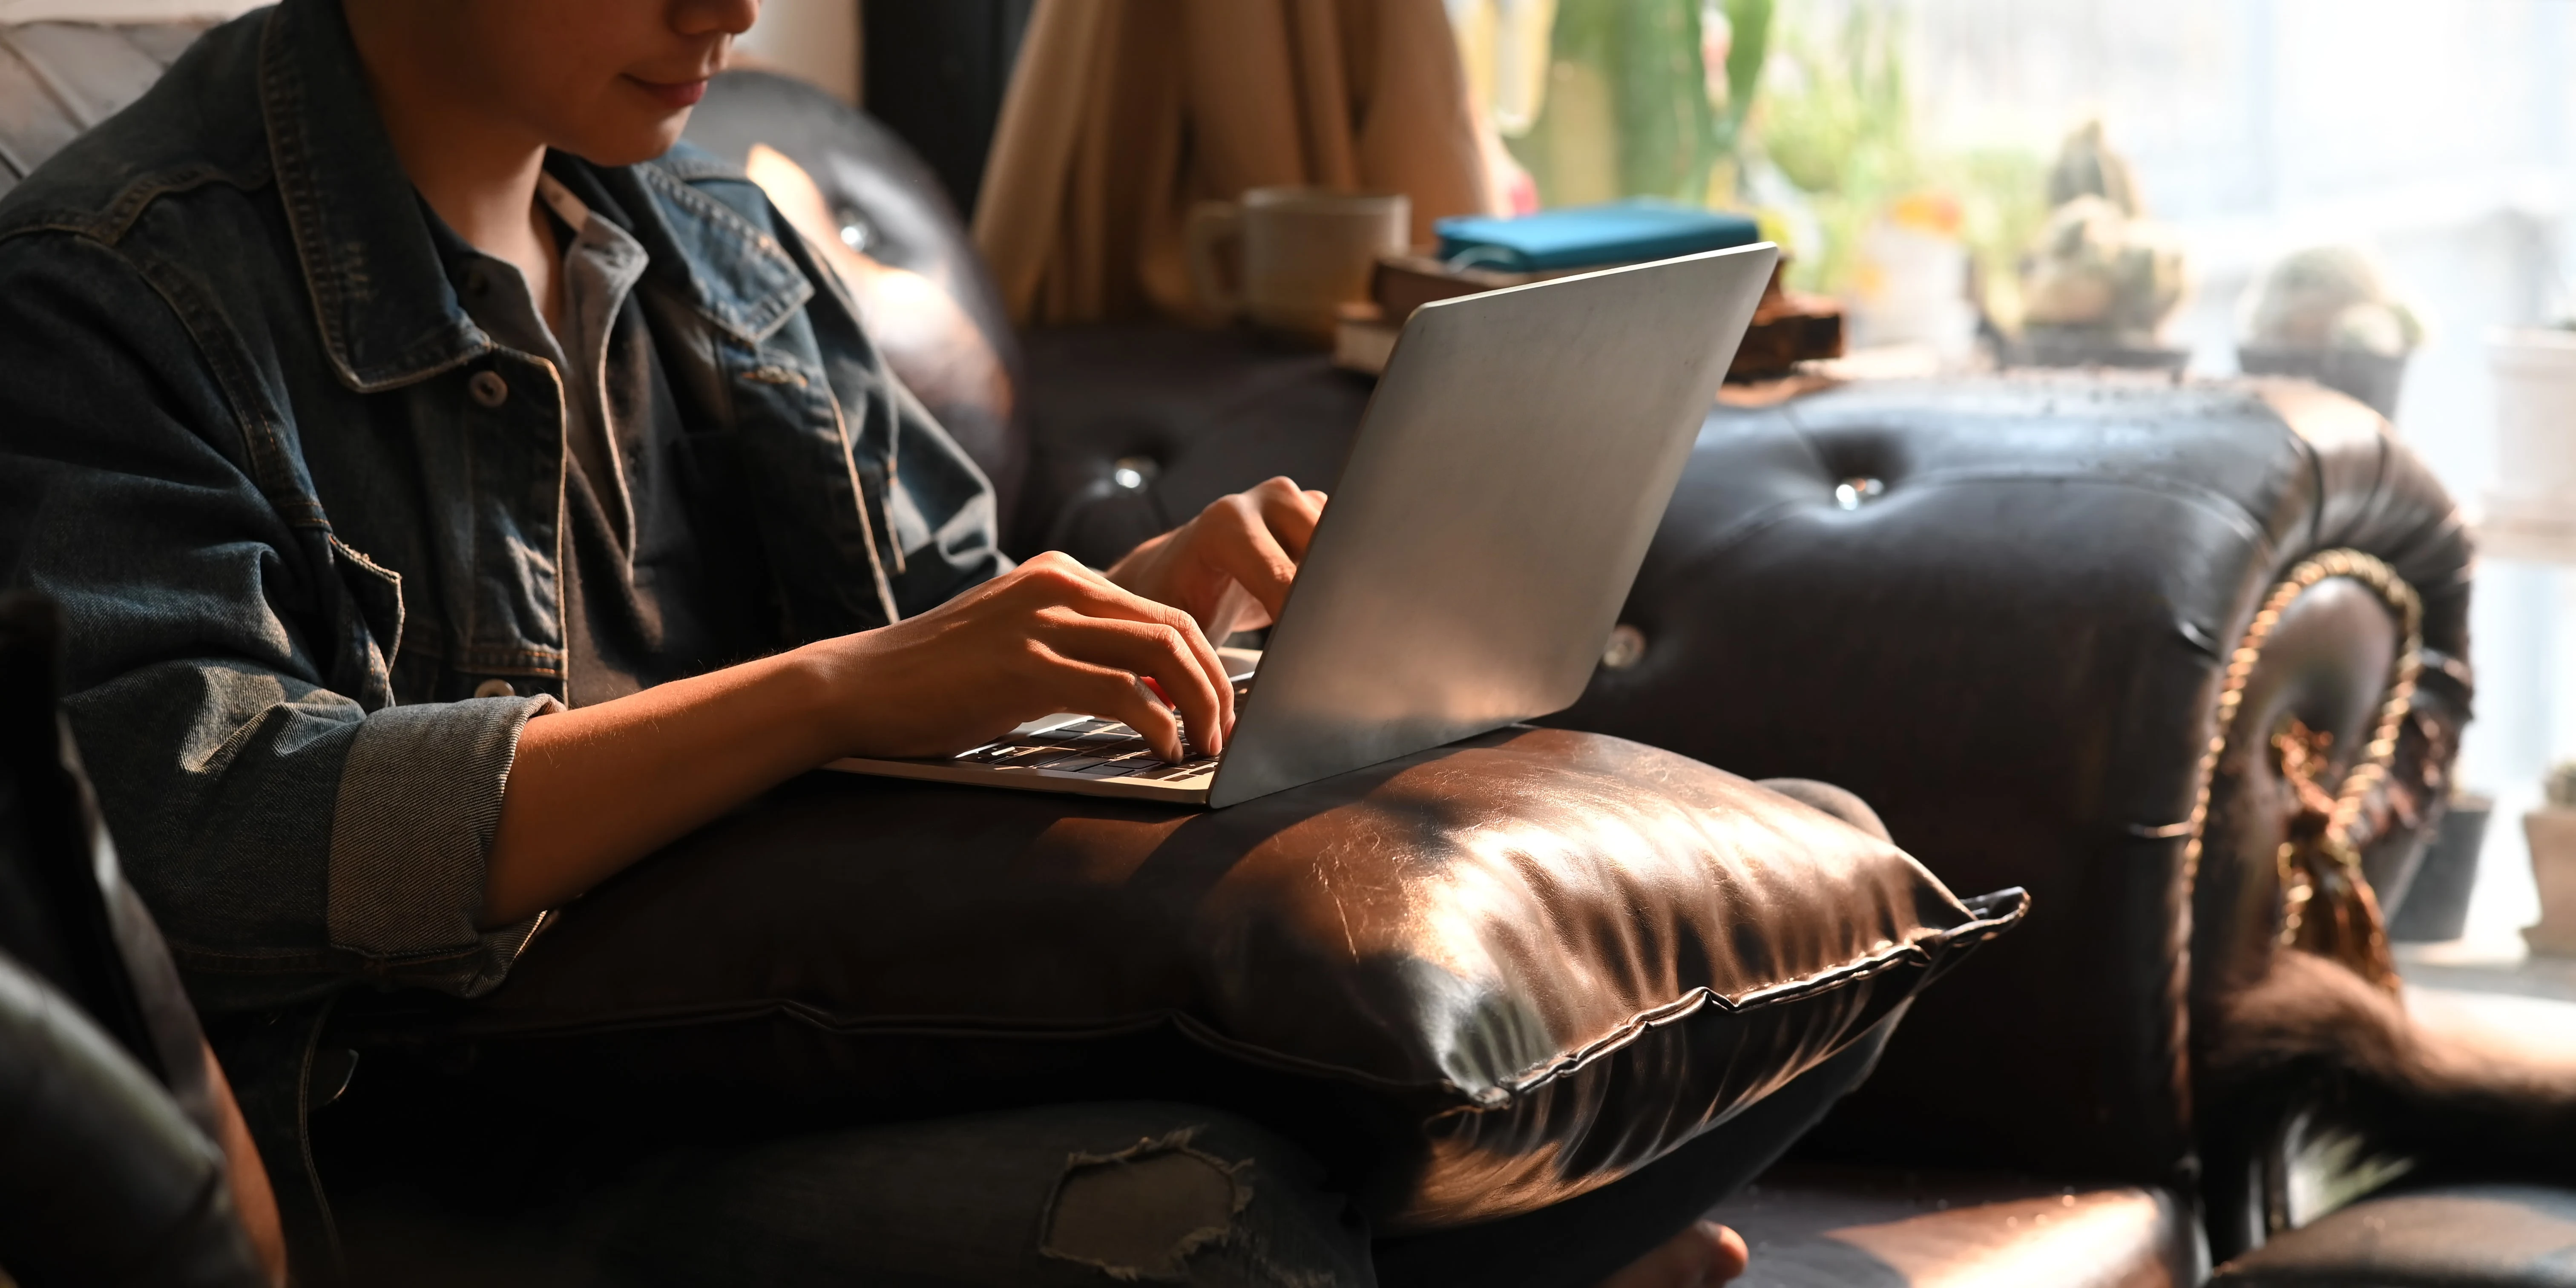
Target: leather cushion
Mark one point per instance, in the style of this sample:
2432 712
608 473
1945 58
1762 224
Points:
104 1181
60 78
2460 1236
1476 980
1812 1226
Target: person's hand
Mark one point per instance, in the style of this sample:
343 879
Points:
1702 1256
1046 637
1230 568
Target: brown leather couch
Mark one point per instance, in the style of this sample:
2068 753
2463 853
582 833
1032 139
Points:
2010 614
2003 612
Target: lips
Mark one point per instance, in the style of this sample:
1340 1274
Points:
672 94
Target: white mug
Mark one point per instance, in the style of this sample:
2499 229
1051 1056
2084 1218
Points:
1288 258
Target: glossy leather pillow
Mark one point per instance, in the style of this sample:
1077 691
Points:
1476 980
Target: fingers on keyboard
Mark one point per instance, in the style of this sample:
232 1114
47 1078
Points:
1092 748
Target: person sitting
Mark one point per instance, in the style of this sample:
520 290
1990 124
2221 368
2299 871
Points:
456 494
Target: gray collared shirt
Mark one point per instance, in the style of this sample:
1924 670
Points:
662 579
601 264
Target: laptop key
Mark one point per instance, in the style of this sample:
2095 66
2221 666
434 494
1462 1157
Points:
1088 748
1110 769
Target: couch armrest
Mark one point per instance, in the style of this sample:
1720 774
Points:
2002 611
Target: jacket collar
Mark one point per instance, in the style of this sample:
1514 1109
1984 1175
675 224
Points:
731 270
387 314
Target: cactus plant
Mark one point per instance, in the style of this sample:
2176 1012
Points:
2095 268
2099 271
2560 786
2329 297
2087 167
1630 108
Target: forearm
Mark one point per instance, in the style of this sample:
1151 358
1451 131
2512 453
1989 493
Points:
594 789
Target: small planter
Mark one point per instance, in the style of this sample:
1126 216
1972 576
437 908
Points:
2085 346
2373 378
2532 513
2435 908
2552 832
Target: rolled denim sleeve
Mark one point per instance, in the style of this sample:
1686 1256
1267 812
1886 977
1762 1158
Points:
287 837
419 801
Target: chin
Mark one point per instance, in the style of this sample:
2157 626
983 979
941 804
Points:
633 143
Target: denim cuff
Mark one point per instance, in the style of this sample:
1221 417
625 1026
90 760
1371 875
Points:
411 836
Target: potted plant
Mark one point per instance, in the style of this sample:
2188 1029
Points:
2531 514
2326 314
2552 832
2101 278
2435 905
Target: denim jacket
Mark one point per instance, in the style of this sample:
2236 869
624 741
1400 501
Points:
306 519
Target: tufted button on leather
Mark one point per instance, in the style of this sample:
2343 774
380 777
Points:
1132 473
488 388
1627 648
856 232
495 688
1852 493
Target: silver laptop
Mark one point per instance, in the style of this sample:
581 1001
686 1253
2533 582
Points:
1507 476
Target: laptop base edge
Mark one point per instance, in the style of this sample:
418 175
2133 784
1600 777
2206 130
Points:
1025 780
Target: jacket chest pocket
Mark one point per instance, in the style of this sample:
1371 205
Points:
369 626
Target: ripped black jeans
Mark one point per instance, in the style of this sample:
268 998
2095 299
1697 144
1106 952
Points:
1092 1195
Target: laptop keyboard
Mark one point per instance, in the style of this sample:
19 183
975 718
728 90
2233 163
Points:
1092 748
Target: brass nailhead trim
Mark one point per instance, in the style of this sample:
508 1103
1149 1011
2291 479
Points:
2401 599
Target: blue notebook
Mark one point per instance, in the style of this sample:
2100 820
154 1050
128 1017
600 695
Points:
1622 232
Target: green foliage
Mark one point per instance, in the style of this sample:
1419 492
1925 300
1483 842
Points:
1626 110
1665 124
1628 107
1839 125
2002 204
1746 56
1837 120
1826 102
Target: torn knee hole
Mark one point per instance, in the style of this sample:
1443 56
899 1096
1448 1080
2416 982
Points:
1141 1212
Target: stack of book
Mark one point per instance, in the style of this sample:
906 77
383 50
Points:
1478 254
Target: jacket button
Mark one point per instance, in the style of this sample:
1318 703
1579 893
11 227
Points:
488 388
495 689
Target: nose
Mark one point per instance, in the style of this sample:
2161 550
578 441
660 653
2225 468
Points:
709 17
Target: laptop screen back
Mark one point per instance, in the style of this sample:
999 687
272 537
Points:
1507 477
